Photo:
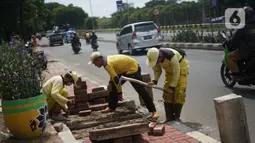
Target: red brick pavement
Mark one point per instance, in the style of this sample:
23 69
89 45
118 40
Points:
172 135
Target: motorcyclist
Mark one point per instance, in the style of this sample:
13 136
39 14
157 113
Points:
241 43
87 36
93 37
75 39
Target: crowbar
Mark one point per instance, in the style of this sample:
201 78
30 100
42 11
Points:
143 83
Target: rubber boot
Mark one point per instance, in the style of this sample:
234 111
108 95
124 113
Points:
177 111
169 110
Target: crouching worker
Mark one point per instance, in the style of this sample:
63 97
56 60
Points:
116 66
57 94
176 72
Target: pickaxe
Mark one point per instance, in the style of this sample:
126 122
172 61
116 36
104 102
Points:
142 83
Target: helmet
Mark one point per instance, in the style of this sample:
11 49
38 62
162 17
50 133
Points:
152 57
248 14
75 77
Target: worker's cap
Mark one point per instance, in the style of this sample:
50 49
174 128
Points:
75 77
152 57
93 57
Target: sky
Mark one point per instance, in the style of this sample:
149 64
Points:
100 8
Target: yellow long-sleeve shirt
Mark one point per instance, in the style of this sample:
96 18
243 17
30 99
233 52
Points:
120 64
51 89
170 65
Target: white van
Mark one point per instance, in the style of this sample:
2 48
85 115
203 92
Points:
139 35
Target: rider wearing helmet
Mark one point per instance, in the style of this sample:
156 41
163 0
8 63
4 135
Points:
242 43
75 39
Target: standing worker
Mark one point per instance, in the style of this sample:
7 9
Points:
116 66
176 71
57 94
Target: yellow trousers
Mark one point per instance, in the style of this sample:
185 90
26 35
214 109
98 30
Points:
179 95
53 105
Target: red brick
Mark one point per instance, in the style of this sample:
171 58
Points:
183 141
85 113
159 130
83 97
98 101
186 137
82 106
192 140
80 92
97 89
73 112
151 127
98 94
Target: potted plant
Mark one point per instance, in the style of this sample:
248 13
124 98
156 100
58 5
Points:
24 106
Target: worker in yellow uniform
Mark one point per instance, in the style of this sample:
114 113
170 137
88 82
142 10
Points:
57 94
176 71
116 66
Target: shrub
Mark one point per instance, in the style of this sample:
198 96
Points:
19 78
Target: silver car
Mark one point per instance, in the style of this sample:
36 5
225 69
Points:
139 35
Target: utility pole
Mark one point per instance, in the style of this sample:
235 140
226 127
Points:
128 12
91 11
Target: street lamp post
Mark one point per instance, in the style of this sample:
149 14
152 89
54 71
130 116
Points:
91 11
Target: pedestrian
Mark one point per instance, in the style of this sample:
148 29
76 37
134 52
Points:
116 66
57 94
176 72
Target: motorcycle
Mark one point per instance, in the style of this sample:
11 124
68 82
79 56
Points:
76 47
247 68
40 60
94 45
87 41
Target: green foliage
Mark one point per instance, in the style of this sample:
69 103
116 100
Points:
88 23
19 78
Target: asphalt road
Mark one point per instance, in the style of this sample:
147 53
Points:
204 84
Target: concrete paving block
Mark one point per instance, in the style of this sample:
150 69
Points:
118 132
85 113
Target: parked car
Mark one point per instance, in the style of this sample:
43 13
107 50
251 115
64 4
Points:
139 35
49 33
56 38
68 36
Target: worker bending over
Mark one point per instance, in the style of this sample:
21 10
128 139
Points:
116 66
57 94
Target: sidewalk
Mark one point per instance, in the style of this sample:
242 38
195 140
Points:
172 135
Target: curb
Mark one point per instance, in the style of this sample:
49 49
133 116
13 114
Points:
200 46
197 46
201 137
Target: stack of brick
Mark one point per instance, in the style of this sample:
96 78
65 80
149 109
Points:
98 96
84 101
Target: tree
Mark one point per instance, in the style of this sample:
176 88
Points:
70 14
88 23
